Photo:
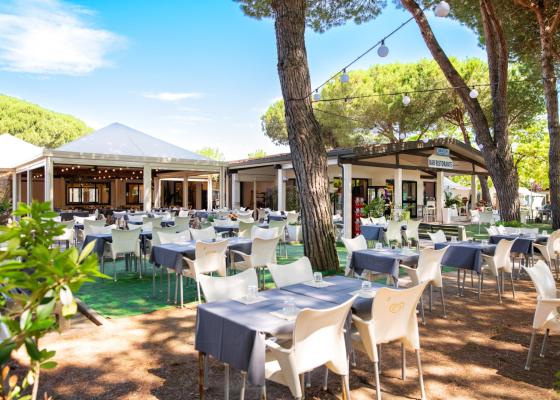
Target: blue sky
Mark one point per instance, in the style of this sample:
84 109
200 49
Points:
194 73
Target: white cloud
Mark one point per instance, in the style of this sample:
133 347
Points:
173 96
52 37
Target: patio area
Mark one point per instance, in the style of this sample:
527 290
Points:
477 352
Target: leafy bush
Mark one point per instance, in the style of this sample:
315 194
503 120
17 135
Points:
37 284
451 200
375 208
511 224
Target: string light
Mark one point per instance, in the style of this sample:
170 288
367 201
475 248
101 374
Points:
402 136
406 100
473 94
383 51
442 9
425 139
344 78
316 95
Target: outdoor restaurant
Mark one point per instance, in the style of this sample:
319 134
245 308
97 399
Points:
390 230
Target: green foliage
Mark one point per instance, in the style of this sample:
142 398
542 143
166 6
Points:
212 153
375 208
292 198
37 279
511 224
37 125
259 153
451 200
321 15
531 146
382 118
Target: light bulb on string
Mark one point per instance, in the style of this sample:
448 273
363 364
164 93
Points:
425 139
344 78
383 51
402 136
442 9
406 100
473 94
316 95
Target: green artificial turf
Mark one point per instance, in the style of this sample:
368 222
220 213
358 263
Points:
130 295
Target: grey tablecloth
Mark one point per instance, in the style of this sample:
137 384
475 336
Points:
235 333
171 255
384 261
201 214
467 255
337 294
373 232
523 243
103 238
69 215
277 217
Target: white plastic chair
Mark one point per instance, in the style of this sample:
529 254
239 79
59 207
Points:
247 220
365 221
263 252
182 223
546 312
68 234
245 229
318 339
124 242
394 232
290 274
379 221
263 233
173 237
355 244
393 318
101 230
499 263
551 251
292 217
428 270
204 235
280 226
88 223
492 230
228 287
209 257
438 237
411 232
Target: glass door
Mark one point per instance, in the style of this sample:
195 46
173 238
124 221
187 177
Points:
409 201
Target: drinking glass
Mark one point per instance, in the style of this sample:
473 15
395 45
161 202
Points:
251 292
378 246
366 286
453 239
289 307
484 242
544 233
317 277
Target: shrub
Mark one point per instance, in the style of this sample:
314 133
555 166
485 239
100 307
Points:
36 279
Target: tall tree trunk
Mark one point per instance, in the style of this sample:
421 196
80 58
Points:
485 190
551 97
496 150
309 156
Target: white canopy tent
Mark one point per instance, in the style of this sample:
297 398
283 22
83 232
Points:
115 148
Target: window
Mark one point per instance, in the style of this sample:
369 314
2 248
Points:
134 193
88 192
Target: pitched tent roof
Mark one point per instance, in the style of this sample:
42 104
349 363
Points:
15 151
118 139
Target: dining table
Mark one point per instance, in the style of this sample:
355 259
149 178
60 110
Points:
234 333
170 255
383 260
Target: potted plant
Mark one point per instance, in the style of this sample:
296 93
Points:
450 201
375 208
294 232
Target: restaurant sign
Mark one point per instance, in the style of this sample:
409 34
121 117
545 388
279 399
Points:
441 162
442 151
